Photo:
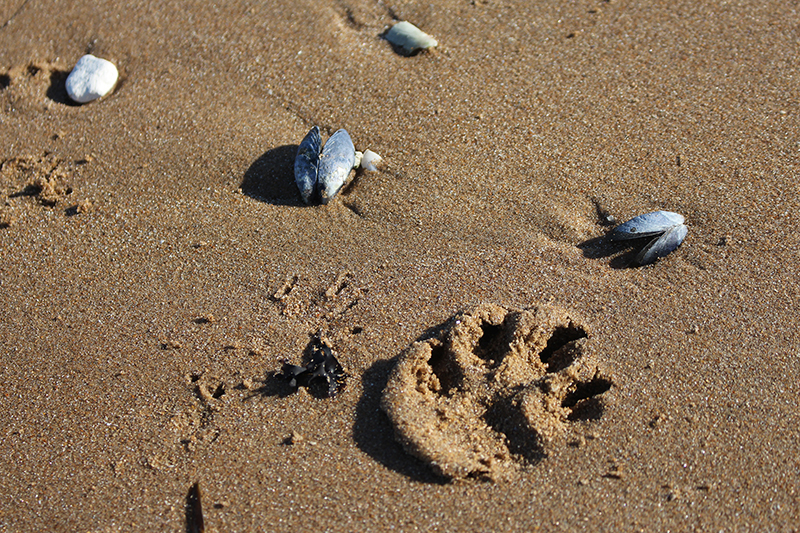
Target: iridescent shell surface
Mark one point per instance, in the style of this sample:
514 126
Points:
667 228
662 246
337 160
645 225
306 164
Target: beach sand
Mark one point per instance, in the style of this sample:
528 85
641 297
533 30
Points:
158 263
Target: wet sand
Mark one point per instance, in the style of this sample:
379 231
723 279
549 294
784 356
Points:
158 263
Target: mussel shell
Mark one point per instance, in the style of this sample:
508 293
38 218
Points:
306 164
646 225
662 246
409 38
337 160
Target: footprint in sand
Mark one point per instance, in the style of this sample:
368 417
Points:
39 82
45 179
491 392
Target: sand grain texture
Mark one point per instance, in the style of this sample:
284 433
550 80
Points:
158 262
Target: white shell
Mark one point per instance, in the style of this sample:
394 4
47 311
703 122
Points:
92 78
410 38
370 160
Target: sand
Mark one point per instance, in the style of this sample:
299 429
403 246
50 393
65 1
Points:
158 264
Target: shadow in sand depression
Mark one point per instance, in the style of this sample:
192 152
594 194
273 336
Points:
271 177
57 91
623 252
374 433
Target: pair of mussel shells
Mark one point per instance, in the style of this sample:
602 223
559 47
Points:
321 173
665 228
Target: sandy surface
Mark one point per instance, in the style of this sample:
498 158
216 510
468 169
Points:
157 262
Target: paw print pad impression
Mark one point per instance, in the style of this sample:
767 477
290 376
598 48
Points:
494 389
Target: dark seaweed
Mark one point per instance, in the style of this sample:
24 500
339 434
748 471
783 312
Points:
323 375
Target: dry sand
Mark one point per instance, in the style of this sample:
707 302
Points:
157 262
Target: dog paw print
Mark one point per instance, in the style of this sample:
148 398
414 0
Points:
297 298
45 178
494 389
35 83
195 425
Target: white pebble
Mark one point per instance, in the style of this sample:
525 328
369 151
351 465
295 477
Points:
370 160
91 79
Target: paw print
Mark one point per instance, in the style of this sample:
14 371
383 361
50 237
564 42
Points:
490 393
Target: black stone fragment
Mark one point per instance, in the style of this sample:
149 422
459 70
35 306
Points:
323 375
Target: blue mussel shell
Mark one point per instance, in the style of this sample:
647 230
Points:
306 164
667 228
645 225
335 164
321 173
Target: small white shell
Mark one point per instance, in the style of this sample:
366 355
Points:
92 78
370 160
409 38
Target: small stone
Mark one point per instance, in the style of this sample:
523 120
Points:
295 438
7 219
92 78
84 206
577 442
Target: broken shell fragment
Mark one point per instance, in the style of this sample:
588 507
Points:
306 164
321 173
667 228
370 160
337 160
409 38
92 78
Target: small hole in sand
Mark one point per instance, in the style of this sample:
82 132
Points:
443 368
584 400
505 417
490 346
560 338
